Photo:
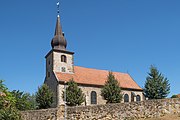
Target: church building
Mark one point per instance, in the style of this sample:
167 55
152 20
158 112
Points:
60 69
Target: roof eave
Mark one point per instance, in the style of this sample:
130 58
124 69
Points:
100 86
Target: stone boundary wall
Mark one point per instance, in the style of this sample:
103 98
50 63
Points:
44 114
120 111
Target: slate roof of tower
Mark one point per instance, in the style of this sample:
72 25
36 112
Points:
97 77
58 42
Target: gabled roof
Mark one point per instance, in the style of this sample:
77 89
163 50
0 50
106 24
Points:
90 76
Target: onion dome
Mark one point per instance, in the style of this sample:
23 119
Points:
59 41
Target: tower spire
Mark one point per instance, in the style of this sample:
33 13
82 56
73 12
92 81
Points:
59 41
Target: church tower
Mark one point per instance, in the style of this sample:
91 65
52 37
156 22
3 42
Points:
59 59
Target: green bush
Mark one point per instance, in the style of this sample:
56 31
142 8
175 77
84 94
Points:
174 96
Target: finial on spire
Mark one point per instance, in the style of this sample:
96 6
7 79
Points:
58 8
58 42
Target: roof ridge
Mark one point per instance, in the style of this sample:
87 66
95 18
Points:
101 70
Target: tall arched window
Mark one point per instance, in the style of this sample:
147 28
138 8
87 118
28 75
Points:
63 58
126 98
132 96
93 97
138 98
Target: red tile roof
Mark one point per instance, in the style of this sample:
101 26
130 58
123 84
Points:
97 77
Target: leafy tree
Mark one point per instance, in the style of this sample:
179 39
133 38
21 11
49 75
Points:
44 97
74 95
156 85
23 100
9 113
6 98
111 90
8 110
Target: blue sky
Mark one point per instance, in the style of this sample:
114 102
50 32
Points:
118 35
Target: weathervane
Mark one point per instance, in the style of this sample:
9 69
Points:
58 7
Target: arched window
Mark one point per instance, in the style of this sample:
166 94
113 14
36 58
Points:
93 97
138 98
63 58
132 96
126 98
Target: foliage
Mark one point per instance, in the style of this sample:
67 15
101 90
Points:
32 100
74 95
23 100
174 96
111 91
156 85
8 109
44 97
9 113
6 98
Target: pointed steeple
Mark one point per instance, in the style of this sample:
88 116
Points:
58 29
59 41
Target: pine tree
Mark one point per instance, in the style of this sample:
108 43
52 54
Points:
111 90
156 85
74 94
44 97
